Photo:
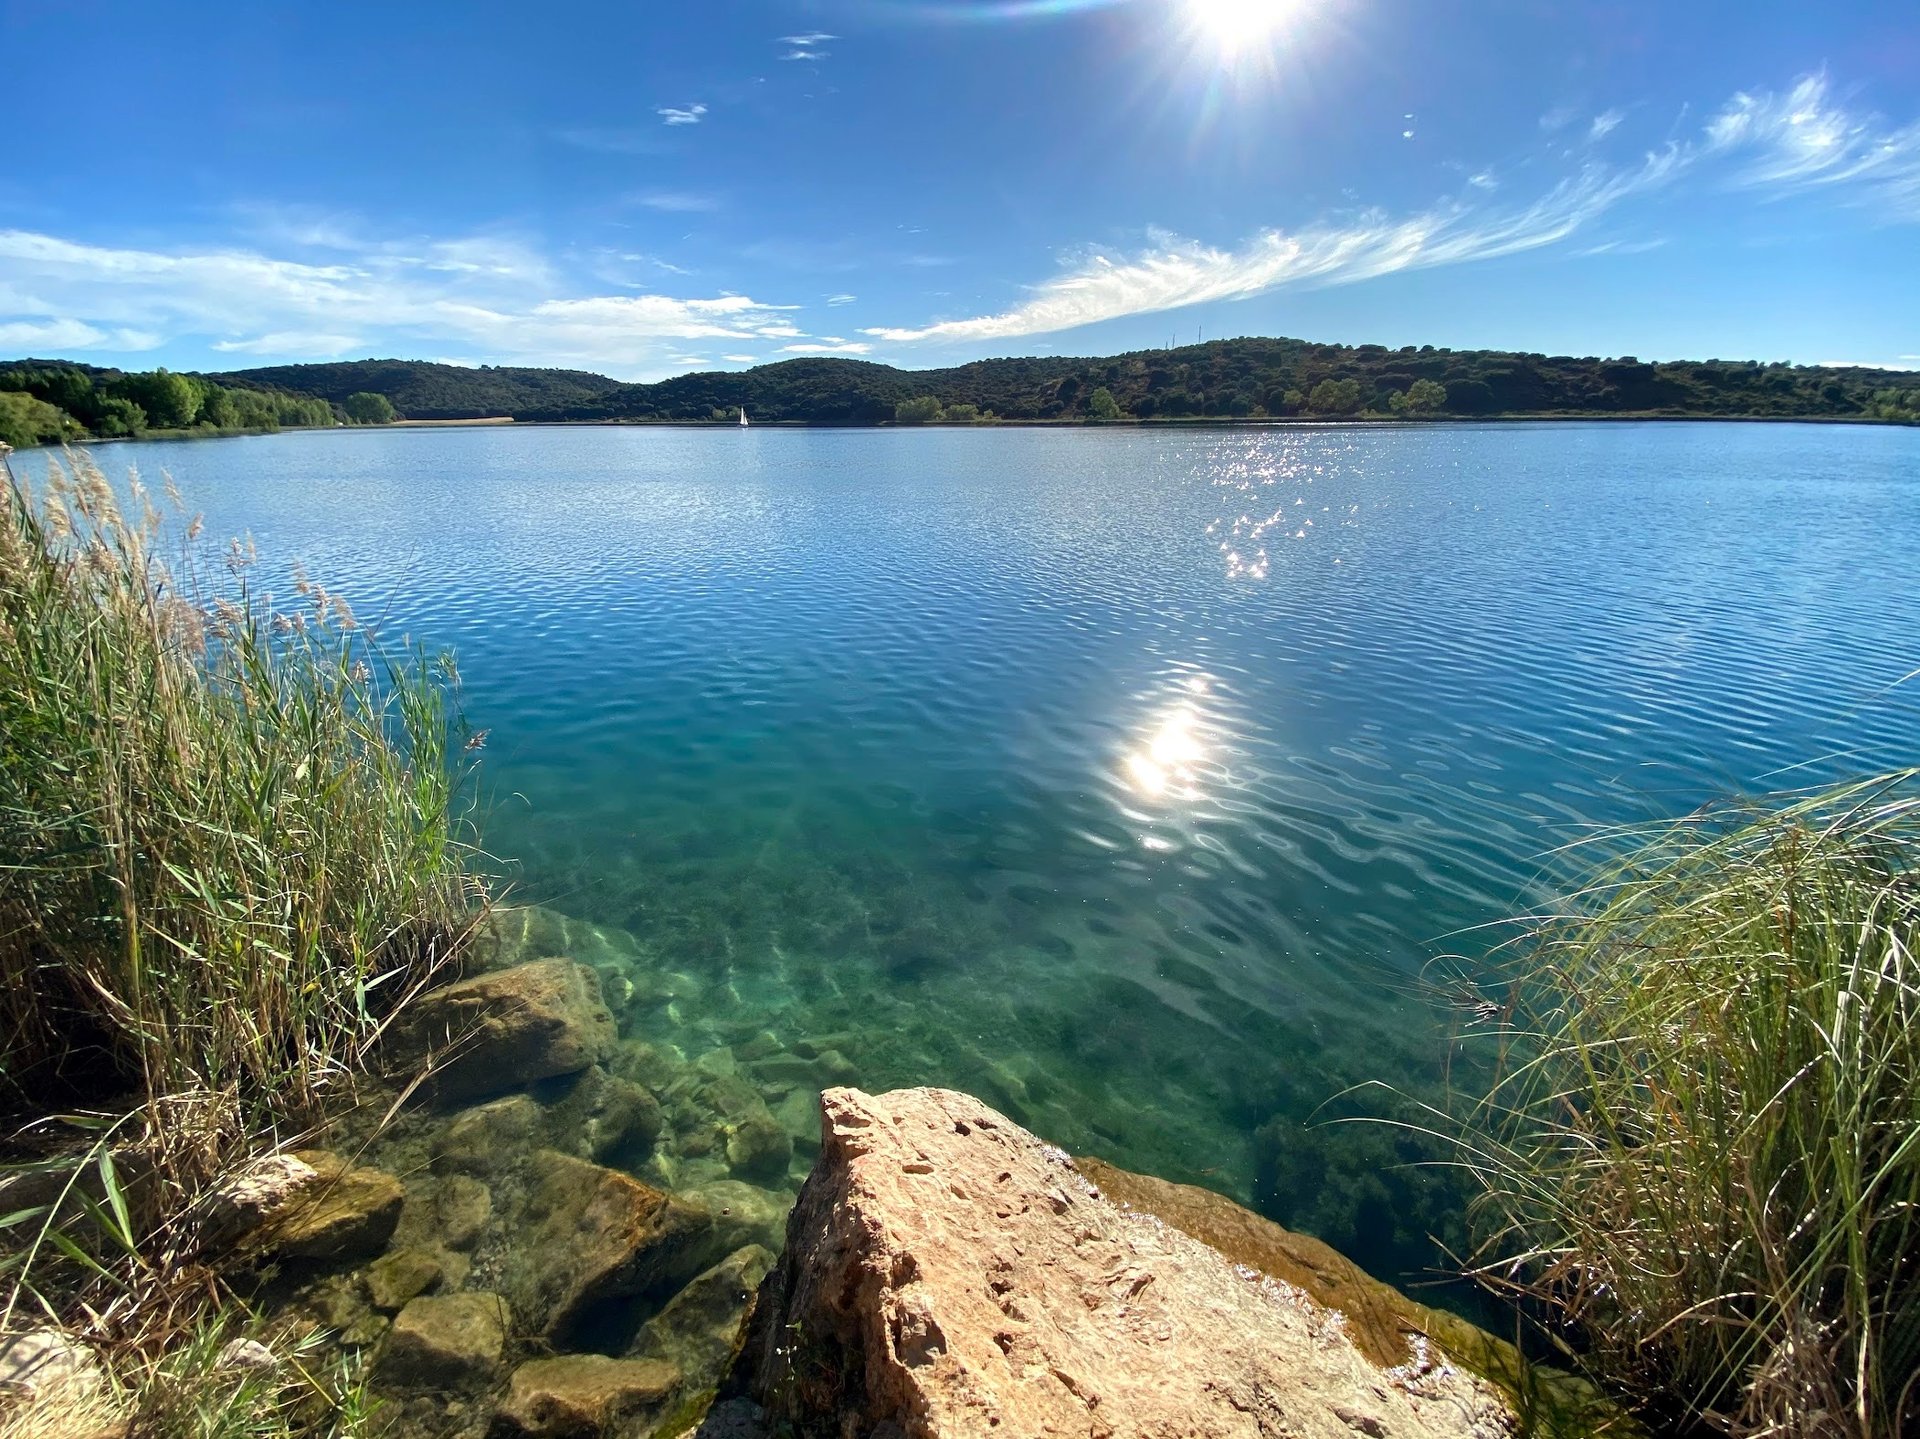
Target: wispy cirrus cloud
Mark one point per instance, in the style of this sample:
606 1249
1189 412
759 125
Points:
807 46
678 202
292 342
64 334
486 294
1805 140
1605 124
681 114
1801 140
1177 272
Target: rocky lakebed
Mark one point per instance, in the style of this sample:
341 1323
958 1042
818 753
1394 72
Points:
570 1230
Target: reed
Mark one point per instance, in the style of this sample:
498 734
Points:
233 843
1703 1153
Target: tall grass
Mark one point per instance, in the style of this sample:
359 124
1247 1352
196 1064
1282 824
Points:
1704 1152
232 844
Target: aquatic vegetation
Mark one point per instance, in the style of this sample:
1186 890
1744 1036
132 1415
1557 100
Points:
1704 1154
234 846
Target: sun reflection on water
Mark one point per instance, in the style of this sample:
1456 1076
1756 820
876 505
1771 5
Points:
1165 764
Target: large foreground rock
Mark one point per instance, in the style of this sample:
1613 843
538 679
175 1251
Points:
506 1029
949 1275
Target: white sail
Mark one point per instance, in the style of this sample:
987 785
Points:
743 417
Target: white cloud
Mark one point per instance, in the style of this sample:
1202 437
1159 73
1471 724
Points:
1777 144
1623 247
808 40
489 295
844 347
841 299
1177 272
282 343
741 359
64 334
679 202
1605 124
681 115
1483 180
1804 139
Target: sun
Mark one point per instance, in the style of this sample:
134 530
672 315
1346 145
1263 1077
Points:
1236 26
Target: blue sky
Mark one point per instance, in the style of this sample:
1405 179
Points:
648 188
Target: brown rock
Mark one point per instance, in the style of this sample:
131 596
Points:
463 1206
583 1395
700 1330
309 1205
591 1234
490 1137
505 1029
948 1274
1380 1320
453 1341
405 1274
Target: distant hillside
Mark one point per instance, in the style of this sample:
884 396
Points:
421 390
1225 378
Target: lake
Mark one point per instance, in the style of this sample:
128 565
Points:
1139 781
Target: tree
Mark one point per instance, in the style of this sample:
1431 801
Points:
920 410
172 402
364 407
960 414
1335 397
1471 397
1422 397
1101 404
27 421
217 408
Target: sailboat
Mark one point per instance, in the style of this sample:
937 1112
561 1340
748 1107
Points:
743 417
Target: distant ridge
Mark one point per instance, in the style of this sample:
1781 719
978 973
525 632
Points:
1246 377
1226 378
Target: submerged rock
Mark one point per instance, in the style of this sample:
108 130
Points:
452 1341
505 1029
591 1234
583 1395
405 1274
462 1207
948 1274
493 1136
700 1330
743 1214
604 1115
308 1205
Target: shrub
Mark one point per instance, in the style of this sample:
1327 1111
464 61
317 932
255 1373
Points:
27 421
1705 1152
920 410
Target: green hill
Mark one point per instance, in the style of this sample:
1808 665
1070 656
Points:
1222 378
42 400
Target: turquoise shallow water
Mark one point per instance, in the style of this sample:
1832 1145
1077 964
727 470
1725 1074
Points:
1130 779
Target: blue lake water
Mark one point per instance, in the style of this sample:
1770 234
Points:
1130 779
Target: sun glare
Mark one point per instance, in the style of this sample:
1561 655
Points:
1239 25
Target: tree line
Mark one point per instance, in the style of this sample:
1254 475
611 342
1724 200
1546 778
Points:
1242 378
50 402
1224 379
